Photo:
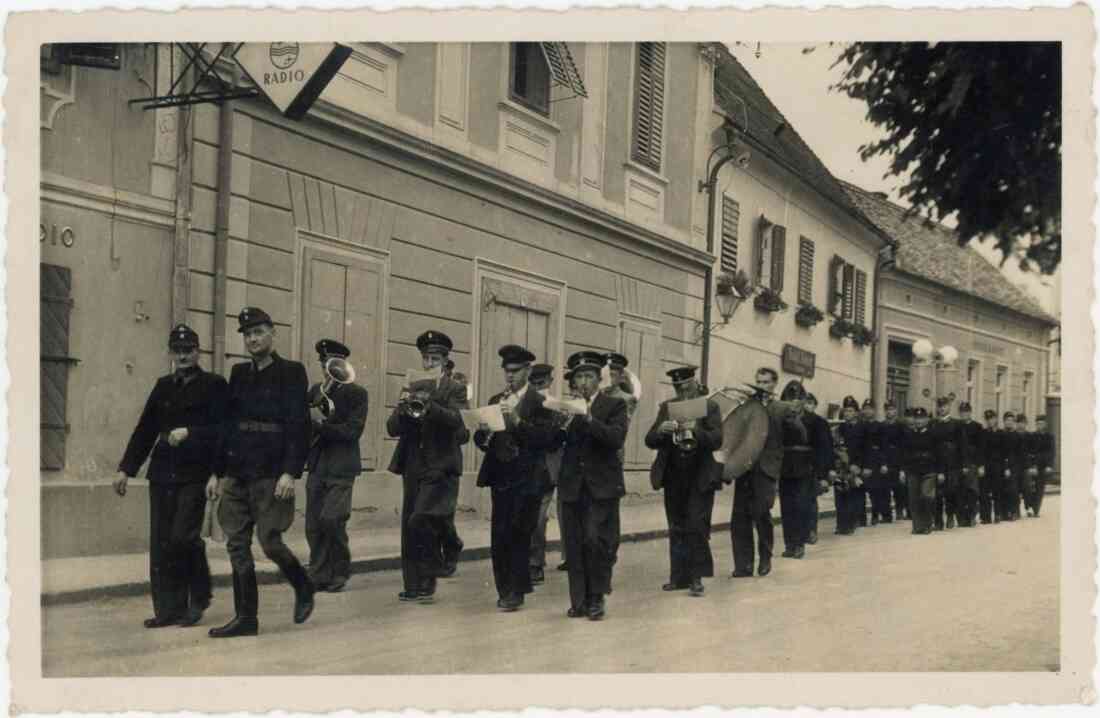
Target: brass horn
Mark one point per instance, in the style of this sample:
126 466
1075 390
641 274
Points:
337 371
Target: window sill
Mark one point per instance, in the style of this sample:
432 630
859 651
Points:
648 173
517 109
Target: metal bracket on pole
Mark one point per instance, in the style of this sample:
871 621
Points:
187 91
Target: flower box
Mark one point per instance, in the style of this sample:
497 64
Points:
808 315
769 300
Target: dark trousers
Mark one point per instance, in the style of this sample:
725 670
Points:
537 556
590 532
814 511
248 505
422 532
515 514
753 498
858 500
1009 496
848 504
688 511
922 500
328 508
796 495
900 490
879 490
946 497
967 495
178 571
450 543
1036 487
988 499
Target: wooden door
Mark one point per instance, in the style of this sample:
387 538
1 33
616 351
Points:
640 344
342 299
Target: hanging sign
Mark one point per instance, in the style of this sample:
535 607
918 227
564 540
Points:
292 75
798 361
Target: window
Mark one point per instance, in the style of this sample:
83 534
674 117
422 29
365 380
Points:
56 292
848 305
649 105
771 250
842 289
861 297
530 85
805 271
1001 391
731 217
899 361
973 379
1029 382
779 252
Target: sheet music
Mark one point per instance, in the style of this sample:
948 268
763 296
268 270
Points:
572 407
687 410
413 376
489 415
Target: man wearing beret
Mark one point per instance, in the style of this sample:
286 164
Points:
991 477
948 434
542 381
971 453
266 439
891 434
922 466
181 426
689 475
428 457
339 417
591 486
515 470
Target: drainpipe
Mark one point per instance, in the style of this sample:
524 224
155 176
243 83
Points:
711 186
881 262
221 231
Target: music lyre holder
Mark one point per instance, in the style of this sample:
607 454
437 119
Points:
178 96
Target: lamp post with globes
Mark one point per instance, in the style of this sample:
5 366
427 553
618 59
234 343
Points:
933 369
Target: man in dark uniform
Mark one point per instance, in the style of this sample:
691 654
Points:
876 469
991 471
971 453
1031 450
591 486
339 416
891 431
947 432
824 458
450 543
572 393
1045 452
849 495
263 453
542 380
689 475
922 467
428 457
515 470
755 490
1013 470
802 452
181 426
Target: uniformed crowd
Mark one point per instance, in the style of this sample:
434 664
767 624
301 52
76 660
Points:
242 445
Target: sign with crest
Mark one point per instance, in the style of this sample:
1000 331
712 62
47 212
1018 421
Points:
292 75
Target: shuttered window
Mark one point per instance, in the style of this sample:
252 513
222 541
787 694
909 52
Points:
56 293
848 298
861 296
779 256
530 85
649 105
731 217
805 271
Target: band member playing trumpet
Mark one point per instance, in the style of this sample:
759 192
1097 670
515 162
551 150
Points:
339 414
685 468
428 457
591 486
181 426
515 470
450 543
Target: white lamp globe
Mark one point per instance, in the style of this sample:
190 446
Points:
949 354
922 349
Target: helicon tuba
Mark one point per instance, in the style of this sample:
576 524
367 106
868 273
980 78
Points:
337 371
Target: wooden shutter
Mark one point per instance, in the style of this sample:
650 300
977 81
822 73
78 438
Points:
848 299
56 293
649 104
805 271
779 256
731 217
861 296
762 255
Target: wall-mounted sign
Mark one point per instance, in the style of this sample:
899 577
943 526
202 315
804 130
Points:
798 361
292 74
65 236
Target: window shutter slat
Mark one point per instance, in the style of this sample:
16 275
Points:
861 296
805 270
731 217
779 255
849 291
649 95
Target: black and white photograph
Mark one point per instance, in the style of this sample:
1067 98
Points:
408 359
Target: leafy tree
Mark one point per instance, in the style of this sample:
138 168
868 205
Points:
978 125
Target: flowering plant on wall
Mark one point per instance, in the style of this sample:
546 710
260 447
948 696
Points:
862 336
769 300
841 328
808 315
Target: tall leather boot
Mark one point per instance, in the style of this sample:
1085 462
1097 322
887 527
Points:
246 600
303 590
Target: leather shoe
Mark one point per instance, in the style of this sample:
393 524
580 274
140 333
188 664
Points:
159 622
303 603
788 553
596 609
741 573
408 595
511 603
537 575
812 538
563 566
670 586
764 568
577 611
193 616
696 588
237 627
800 552
336 586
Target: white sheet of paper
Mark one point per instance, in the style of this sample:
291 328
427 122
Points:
412 376
489 415
569 406
687 410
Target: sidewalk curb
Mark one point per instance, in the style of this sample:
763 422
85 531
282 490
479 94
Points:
268 576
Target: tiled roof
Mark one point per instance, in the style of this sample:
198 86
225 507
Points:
932 252
739 96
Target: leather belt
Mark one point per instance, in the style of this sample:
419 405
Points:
260 427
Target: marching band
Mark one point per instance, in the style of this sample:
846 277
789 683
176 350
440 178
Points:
243 445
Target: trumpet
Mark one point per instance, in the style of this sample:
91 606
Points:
684 439
337 371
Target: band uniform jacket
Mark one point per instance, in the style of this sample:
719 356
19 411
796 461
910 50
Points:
437 437
922 452
972 439
854 435
707 473
1045 450
891 437
994 453
198 405
591 456
874 455
516 458
821 442
334 447
948 432
1032 449
1015 453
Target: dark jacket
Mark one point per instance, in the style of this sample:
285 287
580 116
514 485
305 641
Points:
972 444
874 452
199 406
1015 453
703 470
516 458
821 442
891 436
854 434
266 430
948 433
993 452
334 446
437 437
921 452
770 461
1046 448
591 456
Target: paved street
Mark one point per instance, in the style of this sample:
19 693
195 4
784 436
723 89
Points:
983 599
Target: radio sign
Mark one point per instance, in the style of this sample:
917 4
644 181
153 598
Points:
798 361
292 75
